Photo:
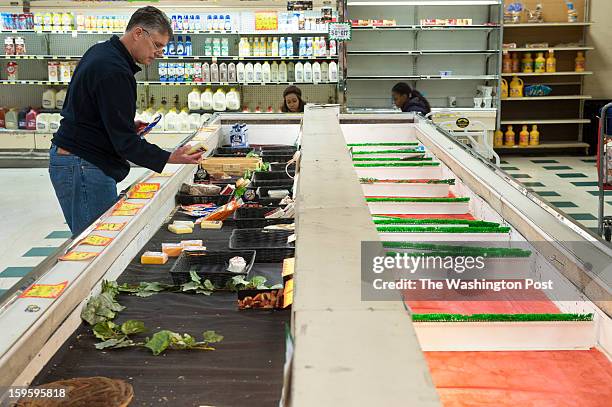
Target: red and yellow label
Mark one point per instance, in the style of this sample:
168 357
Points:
146 187
124 208
44 290
78 256
125 213
96 240
140 195
111 227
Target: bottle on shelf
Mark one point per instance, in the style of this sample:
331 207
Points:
551 62
208 47
209 23
333 50
240 73
275 46
524 136
184 119
194 99
289 47
572 14
498 138
180 47
333 72
2 118
224 47
223 74
323 47
231 72
188 46
308 72
197 72
11 119
219 101
516 87
325 72
249 73
257 71
205 72
580 62
214 72
232 99
274 72
216 47
282 72
527 63
302 51
507 63
21 118
309 50
516 62
31 119
266 72
282 47
509 137
316 72
207 99
315 46
504 89
534 136
49 99
299 72
290 72
269 47
540 63
252 48
228 23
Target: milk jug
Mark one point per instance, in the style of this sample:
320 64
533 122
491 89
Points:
11 119
219 102
258 72
60 97
214 72
232 99
308 72
274 72
231 72
316 72
205 72
31 119
172 121
194 121
207 99
223 72
184 119
194 101
282 72
299 72
240 74
249 73
333 72
42 122
54 122
291 72
48 99
265 72
325 72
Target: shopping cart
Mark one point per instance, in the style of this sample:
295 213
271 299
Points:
604 169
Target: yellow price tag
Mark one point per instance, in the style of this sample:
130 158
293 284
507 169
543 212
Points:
128 206
146 187
77 256
125 213
111 227
140 195
44 290
96 240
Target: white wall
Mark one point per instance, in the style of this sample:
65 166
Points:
599 85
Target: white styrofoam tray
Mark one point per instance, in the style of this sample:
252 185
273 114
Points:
433 208
403 189
399 172
506 336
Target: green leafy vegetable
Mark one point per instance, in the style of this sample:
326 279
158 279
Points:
132 326
159 342
165 339
256 283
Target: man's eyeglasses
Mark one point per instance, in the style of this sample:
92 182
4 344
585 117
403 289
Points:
158 47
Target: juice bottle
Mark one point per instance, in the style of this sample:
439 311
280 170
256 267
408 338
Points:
551 62
31 119
2 121
509 137
524 136
507 63
534 136
516 63
527 63
540 63
498 138
580 62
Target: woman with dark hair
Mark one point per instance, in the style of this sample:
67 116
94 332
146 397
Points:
292 100
409 100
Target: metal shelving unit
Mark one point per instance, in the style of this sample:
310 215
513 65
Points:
561 117
379 56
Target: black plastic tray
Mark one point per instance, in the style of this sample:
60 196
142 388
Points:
253 218
209 265
246 212
271 245
277 148
271 179
273 157
186 199
227 151
281 167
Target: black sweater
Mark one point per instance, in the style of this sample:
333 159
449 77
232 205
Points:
98 123
416 105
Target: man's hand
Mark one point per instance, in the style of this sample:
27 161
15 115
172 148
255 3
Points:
140 126
180 156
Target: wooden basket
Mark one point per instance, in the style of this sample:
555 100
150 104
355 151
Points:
230 165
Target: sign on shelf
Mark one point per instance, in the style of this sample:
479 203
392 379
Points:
340 31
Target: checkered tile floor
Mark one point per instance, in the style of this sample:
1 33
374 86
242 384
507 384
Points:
569 183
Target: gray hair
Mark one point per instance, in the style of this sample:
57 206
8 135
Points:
151 18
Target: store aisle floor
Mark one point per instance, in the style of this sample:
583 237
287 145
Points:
32 222
569 183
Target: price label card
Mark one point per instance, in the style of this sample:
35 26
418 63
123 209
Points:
111 227
131 212
78 256
146 187
44 290
163 174
140 195
96 240
340 32
128 206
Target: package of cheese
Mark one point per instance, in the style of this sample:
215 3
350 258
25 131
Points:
187 243
211 224
179 229
153 258
172 249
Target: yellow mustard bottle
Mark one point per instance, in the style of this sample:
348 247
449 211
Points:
551 62
524 137
527 63
516 87
504 89
534 136
540 63
509 137
498 138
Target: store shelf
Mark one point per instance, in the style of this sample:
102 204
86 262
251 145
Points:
51 57
426 52
426 77
154 83
552 121
543 25
568 73
426 3
548 145
21 131
543 98
249 58
196 32
556 49
485 27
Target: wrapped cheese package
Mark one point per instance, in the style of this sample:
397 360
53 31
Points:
211 224
188 243
172 249
153 258
187 223
179 229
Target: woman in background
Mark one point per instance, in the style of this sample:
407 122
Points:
292 100
409 100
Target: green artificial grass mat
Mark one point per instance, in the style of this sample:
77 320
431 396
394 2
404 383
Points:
500 317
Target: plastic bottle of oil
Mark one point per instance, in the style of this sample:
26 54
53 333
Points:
509 140
540 63
527 63
524 136
534 136
580 62
551 62
498 138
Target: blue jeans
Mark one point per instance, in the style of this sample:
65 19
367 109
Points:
82 189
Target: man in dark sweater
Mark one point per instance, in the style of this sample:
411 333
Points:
97 135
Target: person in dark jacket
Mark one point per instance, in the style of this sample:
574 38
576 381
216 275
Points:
97 135
409 100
